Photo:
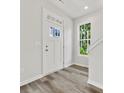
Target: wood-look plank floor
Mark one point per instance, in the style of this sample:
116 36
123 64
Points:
69 80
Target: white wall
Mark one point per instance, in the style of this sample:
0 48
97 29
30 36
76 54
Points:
68 26
94 18
96 66
94 61
30 33
31 37
96 54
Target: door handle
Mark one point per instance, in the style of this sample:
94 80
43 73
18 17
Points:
46 46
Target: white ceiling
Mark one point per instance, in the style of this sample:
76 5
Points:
75 8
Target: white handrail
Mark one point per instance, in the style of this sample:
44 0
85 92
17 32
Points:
95 44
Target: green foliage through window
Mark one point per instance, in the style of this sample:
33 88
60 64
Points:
85 36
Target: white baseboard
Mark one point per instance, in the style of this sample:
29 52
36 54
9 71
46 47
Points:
31 80
95 84
67 65
39 76
42 75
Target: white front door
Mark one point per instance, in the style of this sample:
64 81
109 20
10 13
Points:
52 47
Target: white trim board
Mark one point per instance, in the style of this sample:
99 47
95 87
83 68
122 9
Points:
94 83
31 80
36 78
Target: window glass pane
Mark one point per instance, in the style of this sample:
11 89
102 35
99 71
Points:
83 48
80 44
82 28
83 35
89 34
54 32
88 26
88 42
